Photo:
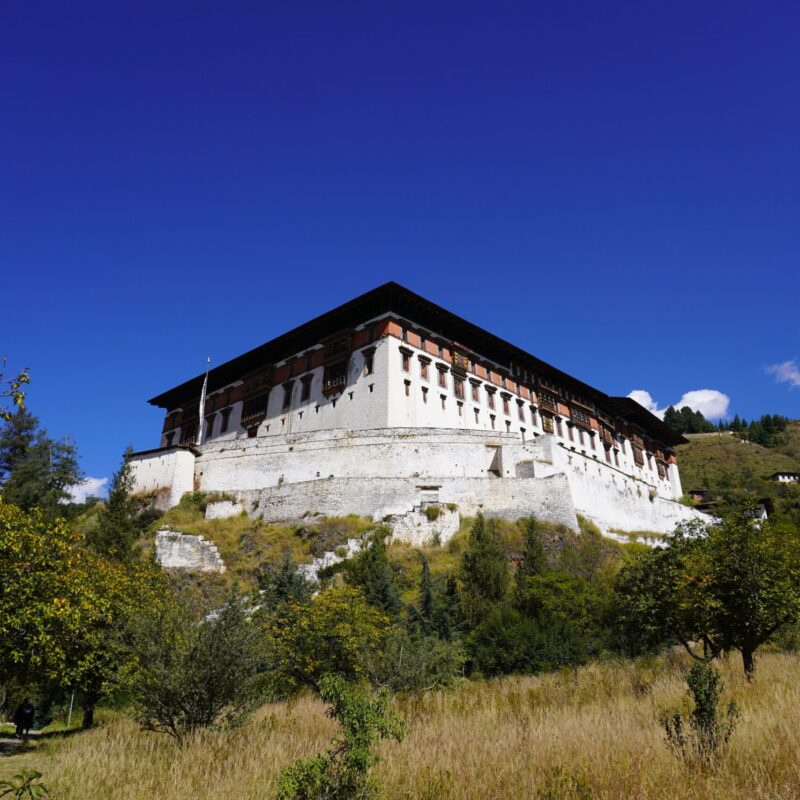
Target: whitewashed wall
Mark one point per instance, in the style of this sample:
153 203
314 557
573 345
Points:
168 473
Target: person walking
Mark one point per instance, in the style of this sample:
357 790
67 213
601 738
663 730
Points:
23 718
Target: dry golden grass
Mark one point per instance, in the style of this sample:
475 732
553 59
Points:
593 733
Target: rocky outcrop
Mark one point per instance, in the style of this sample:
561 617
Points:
180 551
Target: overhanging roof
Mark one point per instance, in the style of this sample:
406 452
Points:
393 298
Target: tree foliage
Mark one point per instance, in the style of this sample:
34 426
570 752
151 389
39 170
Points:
12 389
729 585
190 675
35 470
338 632
370 570
342 773
484 571
63 608
117 527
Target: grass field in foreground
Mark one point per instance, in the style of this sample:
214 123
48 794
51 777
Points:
593 732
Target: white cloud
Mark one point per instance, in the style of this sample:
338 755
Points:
645 399
709 402
89 487
788 372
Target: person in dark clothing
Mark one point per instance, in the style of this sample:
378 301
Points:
23 718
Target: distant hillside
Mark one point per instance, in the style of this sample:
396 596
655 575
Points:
731 468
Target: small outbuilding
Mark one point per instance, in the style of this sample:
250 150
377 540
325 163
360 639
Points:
785 477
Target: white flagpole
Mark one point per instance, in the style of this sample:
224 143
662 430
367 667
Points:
202 415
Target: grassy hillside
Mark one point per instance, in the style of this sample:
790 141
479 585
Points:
251 547
589 733
732 468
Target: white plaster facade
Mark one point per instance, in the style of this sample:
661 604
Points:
168 474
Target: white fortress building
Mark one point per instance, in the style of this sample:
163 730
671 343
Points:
390 403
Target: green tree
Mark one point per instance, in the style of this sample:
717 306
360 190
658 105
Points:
35 470
534 558
117 526
284 584
191 675
371 571
729 585
63 608
338 632
484 571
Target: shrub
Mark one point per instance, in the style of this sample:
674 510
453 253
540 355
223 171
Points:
338 632
709 728
193 675
433 513
416 662
342 773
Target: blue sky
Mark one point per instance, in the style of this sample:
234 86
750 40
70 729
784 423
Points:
612 186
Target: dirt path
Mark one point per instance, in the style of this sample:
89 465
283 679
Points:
9 744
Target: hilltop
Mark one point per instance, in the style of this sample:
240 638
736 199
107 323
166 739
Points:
732 468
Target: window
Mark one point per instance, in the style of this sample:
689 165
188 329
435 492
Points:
492 418
405 333
189 434
254 407
508 426
608 453
547 423
335 378
442 377
287 394
224 417
533 415
559 429
170 436
458 387
570 432
616 456
580 436
305 392
460 408
638 456
592 441
505 404
341 344
424 394
423 367
520 411
477 413
522 434
406 362
547 401
408 388
444 398
475 393
580 417
490 397
309 358
369 360
209 426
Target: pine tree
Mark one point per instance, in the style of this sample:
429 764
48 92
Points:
426 608
285 584
371 570
534 558
117 529
35 470
484 572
